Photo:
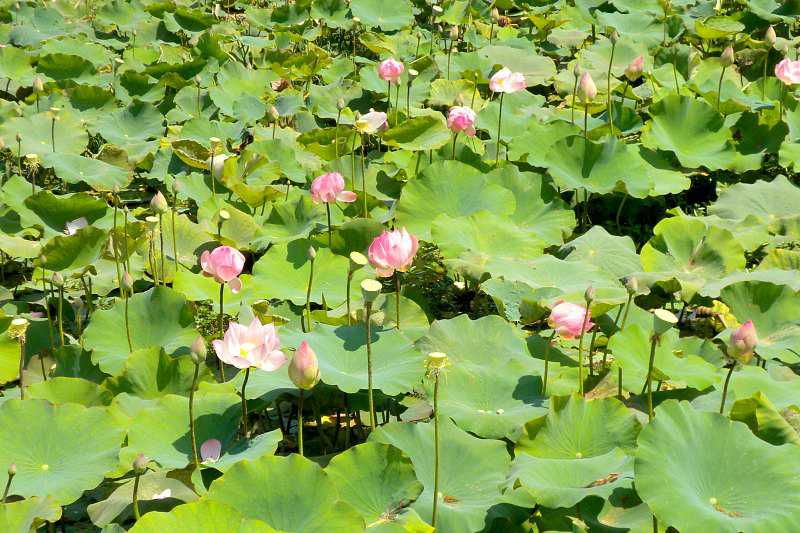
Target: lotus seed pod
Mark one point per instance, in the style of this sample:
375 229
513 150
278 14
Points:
197 79
304 367
727 58
119 61
614 37
590 294
663 321
311 253
159 203
199 350
18 137
412 73
224 215
632 284
340 103
18 328
214 141
38 86
436 361
58 279
140 464
126 283
357 261
356 20
454 33
438 10
770 36
152 222
12 470
370 289
577 70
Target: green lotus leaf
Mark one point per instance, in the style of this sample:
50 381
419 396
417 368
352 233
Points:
25 515
692 253
20 247
15 65
61 390
157 317
238 90
701 491
775 312
610 166
534 143
538 69
191 240
281 490
150 373
197 287
292 220
248 449
200 516
65 253
161 430
61 67
452 92
37 340
376 479
778 383
768 275
472 470
53 212
35 131
765 421
397 366
99 175
60 450
695 133
491 404
373 14
434 187
519 109
772 202
156 492
284 270
427 132
631 349
483 242
615 255
717 27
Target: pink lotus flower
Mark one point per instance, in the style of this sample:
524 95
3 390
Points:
371 122
72 227
505 81
634 70
210 451
788 71
224 264
587 90
743 342
392 250
254 346
330 187
304 368
462 119
567 319
390 70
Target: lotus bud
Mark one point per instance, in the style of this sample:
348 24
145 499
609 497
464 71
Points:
454 33
495 13
589 294
58 279
311 253
632 284
340 103
370 289
586 88
199 350
159 204
727 57
357 261
38 86
743 343
140 464
663 321
197 79
273 112
18 328
634 70
304 368
126 283
18 137
12 470
214 142
770 36
577 70
614 37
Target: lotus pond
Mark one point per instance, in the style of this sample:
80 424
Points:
399 266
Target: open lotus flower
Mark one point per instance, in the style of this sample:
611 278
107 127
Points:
788 71
371 122
505 81
743 342
304 368
390 70
461 119
210 451
393 250
254 346
72 227
329 188
224 264
567 319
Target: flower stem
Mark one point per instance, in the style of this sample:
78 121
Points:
547 361
585 121
574 96
653 342
8 487
725 388
455 137
435 448
174 235
608 90
114 245
21 366
127 321
719 87
499 123
367 325
300 423
397 298
211 168
161 245
764 76
61 314
580 352
244 402
47 310
396 103
364 181
349 281
195 457
220 329
330 234
353 162
308 296
136 514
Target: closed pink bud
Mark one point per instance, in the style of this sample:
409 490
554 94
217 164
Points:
254 346
586 87
392 250
329 188
567 319
304 368
461 119
505 81
224 264
788 71
390 70
210 451
634 70
743 342
727 58
770 36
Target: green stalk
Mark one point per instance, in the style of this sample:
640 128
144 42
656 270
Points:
396 104
574 96
499 123
580 352
725 388
436 449
367 325
136 514
114 245
608 89
308 295
195 456
127 322
174 235
547 361
220 327
397 298
719 87
764 76
653 342
244 402
61 314
349 281
161 246
21 366
47 310
330 233
8 487
455 137
364 181
353 162
300 424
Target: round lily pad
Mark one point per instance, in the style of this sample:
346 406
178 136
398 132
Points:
200 516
